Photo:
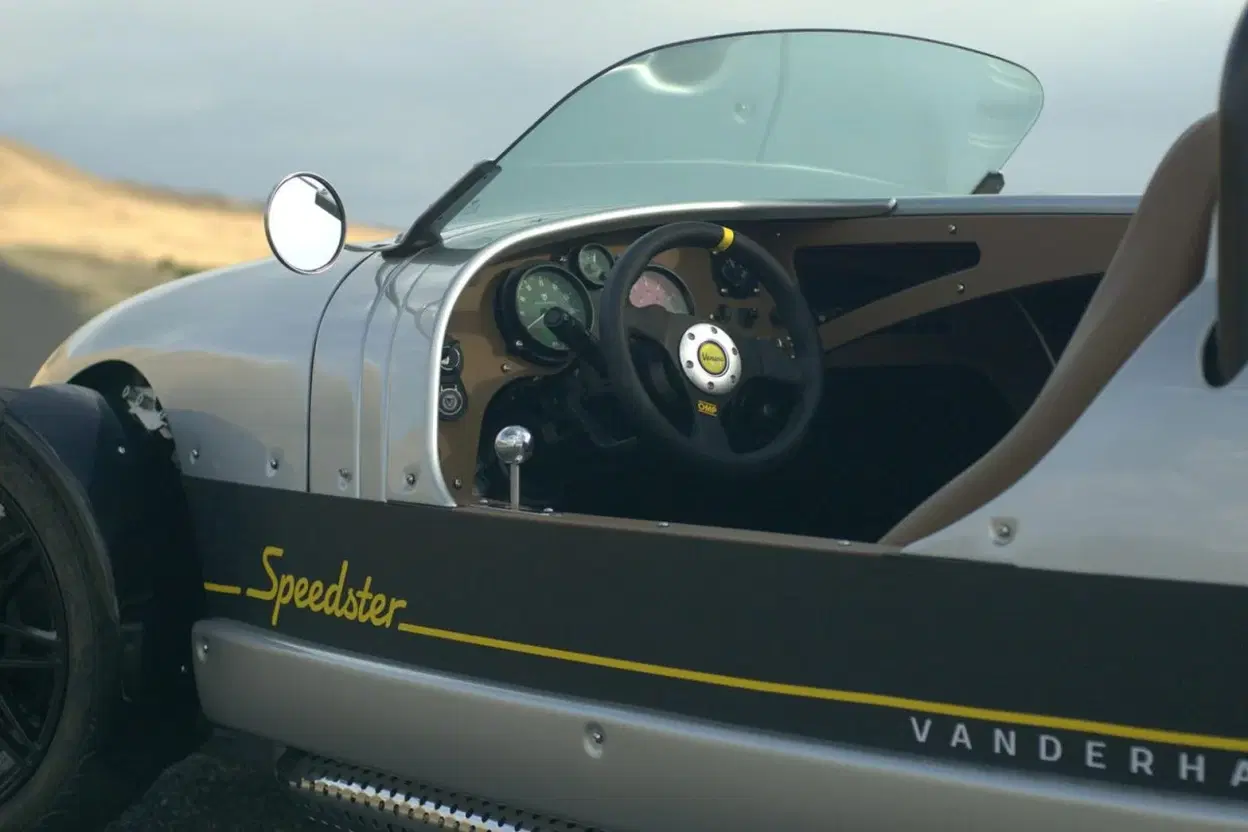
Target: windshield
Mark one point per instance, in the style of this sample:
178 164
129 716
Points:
786 115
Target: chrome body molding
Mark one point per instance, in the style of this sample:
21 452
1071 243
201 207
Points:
1017 204
484 740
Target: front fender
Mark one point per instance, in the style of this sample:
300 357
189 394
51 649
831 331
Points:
127 493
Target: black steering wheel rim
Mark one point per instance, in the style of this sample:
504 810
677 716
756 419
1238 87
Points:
735 357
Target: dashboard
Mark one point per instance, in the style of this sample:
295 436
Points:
572 280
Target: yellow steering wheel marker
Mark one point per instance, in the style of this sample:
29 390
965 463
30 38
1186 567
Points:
725 241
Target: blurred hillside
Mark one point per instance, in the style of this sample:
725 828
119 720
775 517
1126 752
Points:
73 244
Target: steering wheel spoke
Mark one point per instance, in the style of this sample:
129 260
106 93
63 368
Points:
656 324
708 432
771 359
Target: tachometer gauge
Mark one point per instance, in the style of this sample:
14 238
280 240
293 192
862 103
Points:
658 286
593 263
526 296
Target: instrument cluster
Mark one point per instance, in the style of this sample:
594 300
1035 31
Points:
572 283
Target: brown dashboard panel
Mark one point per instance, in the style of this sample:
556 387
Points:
488 365
1011 251
1014 250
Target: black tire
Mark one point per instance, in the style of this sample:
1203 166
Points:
65 788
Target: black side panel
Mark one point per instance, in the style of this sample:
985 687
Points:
839 279
1127 680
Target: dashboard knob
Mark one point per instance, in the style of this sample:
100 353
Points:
452 402
452 358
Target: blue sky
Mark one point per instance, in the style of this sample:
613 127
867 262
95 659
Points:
392 99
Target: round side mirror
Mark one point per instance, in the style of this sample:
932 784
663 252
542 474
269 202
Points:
305 223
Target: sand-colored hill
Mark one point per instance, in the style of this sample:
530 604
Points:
102 241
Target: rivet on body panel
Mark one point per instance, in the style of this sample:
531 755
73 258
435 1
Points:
344 479
201 650
595 739
961 288
275 462
953 229
194 455
409 479
1004 530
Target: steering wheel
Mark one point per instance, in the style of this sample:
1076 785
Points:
714 360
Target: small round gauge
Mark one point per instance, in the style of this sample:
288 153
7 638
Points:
593 263
658 286
526 296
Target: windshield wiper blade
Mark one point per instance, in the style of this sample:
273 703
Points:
992 183
426 231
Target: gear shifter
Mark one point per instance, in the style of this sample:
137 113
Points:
514 445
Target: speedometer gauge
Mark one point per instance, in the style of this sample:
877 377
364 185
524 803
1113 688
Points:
593 263
523 300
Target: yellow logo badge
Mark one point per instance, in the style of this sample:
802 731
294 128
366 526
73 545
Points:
713 358
709 408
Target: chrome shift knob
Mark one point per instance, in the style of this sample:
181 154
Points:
514 445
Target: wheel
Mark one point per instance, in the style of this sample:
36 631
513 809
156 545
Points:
59 652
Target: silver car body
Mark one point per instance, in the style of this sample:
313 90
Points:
326 384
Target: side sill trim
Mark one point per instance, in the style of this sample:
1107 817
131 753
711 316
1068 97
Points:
533 749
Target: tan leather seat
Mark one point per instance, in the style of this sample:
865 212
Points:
1160 260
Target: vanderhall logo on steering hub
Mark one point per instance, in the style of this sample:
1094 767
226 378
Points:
1072 753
